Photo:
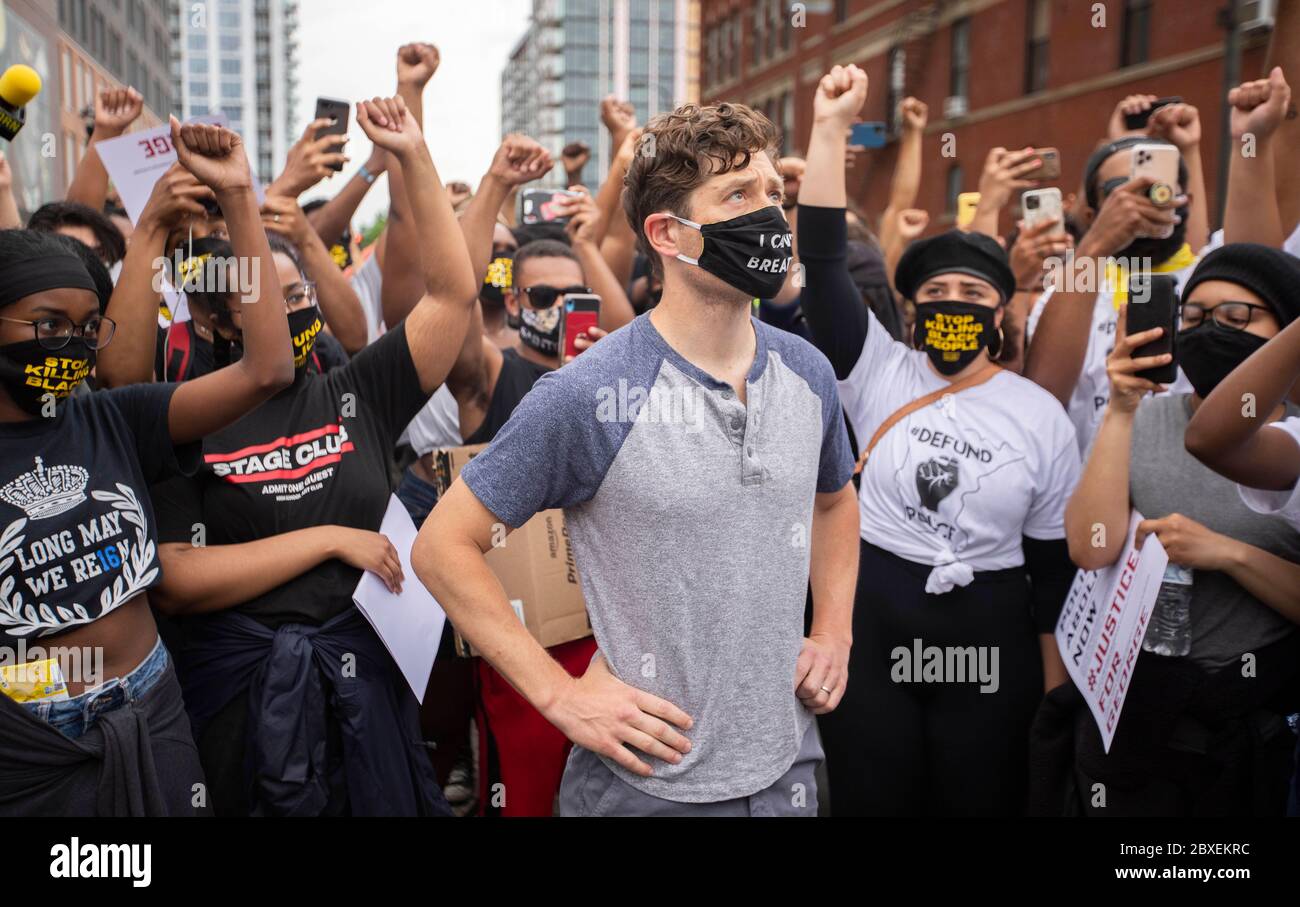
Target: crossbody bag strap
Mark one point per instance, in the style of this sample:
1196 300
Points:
920 403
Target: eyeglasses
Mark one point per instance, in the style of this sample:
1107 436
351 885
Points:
1235 316
56 332
306 292
544 297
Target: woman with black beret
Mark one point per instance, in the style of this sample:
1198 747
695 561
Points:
966 468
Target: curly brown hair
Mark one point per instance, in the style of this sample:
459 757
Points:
679 151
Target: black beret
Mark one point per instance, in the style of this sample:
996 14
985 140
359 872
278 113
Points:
1271 274
955 252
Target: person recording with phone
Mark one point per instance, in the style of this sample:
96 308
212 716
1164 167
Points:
1200 734
1122 231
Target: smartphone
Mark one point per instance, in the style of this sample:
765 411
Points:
1153 303
579 311
1139 120
1041 205
537 206
868 135
1050 166
966 204
1160 163
336 110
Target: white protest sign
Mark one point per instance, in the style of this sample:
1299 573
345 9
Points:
1102 624
137 161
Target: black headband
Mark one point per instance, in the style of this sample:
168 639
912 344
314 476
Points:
56 271
1092 192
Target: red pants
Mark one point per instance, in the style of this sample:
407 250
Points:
530 752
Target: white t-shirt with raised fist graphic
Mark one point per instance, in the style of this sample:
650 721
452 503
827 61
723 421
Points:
957 482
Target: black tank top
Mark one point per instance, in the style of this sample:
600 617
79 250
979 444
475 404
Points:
517 378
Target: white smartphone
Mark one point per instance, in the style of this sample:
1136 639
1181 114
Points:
1042 205
1160 164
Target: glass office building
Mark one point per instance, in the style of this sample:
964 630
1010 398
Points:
575 52
239 57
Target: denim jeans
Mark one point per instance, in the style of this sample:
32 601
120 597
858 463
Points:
418 496
74 717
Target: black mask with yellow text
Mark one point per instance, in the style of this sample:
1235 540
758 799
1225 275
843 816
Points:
498 280
954 333
32 375
304 326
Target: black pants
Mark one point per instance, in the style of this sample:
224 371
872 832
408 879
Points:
898 747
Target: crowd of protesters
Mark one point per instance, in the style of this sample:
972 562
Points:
898 437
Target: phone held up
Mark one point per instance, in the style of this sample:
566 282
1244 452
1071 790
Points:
537 206
579 312
1153 303
1160 164
1139 120
967 202
868 135
1041 206
1049 165
336 110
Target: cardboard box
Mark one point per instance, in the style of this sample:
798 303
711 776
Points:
535 565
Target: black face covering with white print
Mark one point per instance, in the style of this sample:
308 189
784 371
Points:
751 253
540 329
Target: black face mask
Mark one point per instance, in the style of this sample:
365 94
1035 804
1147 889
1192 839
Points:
29 372
751 253
497 280
304 326
540 329
1208 352
953 333
341 253
1156 249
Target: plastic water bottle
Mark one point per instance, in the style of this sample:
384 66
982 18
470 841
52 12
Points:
1170 630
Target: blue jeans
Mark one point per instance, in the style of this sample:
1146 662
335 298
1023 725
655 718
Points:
418 496
74 717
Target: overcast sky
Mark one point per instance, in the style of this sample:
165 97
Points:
347 50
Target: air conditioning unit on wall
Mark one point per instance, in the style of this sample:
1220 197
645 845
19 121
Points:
954 106
1257 15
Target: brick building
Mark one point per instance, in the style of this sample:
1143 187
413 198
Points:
78 48
993 72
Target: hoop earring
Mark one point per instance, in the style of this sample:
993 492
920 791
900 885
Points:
997 354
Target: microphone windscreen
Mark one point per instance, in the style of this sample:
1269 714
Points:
19 84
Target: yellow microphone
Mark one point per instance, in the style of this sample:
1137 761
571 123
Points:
18 86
